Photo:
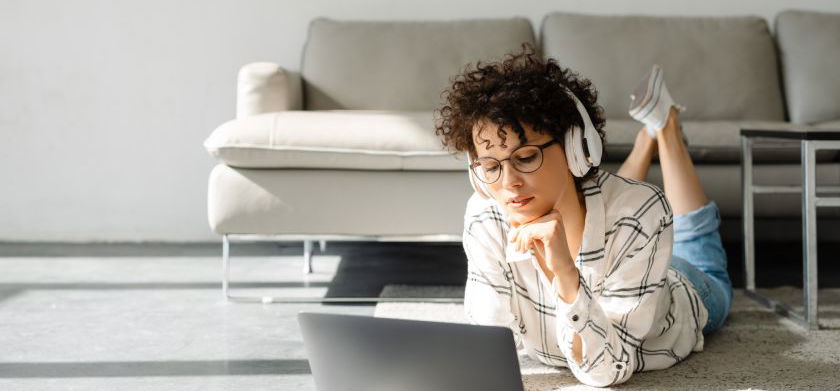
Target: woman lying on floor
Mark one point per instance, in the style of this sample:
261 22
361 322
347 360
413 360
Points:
599 272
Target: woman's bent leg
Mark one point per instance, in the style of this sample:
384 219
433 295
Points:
637 164
699 255
698 251
679 179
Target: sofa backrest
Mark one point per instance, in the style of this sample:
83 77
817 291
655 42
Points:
398 65
809 43
720 68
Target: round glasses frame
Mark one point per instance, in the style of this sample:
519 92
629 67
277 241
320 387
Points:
474 167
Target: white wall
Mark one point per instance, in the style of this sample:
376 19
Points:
104 104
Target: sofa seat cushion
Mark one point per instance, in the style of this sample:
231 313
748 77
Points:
716 142
340 139
405 140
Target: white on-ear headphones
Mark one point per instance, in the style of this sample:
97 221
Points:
583 151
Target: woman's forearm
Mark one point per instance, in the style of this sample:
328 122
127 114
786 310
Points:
567 290
566 274
566 283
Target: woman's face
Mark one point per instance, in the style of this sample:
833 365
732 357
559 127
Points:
546 185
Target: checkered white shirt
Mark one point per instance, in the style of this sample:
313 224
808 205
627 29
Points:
633 312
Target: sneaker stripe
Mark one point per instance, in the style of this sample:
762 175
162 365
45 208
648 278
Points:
650 92
655 94
645 94
658 93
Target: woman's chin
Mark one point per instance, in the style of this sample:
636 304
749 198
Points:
520 216
524 216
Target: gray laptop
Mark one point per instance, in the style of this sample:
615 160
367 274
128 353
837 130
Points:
364 353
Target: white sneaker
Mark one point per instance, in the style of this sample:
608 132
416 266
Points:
650 102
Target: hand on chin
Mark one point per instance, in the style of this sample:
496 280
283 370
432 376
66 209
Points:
522 217
519 217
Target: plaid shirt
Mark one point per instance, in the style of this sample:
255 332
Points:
632 311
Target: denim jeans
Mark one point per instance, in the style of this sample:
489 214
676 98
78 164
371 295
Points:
698 255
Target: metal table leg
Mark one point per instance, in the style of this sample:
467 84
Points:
809 233
747 201
809 320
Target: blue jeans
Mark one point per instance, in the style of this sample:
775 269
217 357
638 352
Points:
698 255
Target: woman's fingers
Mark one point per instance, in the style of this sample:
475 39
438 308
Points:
515 240
525 242
538 248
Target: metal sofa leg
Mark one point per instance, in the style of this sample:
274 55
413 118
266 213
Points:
307 257
274 299
225 266
307 254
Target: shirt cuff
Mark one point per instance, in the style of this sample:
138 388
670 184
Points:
574 315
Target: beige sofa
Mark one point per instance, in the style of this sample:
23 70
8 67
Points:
344 148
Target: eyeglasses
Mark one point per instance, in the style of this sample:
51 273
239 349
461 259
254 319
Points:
525 159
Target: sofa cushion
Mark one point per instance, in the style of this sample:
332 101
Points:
809 43
716 142
720 68
405 140
342 139
398 65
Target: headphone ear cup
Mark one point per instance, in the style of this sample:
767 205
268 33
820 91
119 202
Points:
579 164
575 157
594 146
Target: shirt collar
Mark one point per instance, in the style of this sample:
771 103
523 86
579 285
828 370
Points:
593 229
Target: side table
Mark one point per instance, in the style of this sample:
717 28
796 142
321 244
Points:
810 140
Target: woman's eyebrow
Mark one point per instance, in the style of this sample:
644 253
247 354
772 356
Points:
514 148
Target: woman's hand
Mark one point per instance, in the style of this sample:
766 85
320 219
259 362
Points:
547 236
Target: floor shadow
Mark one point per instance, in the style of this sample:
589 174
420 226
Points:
108 286
11 289
154 368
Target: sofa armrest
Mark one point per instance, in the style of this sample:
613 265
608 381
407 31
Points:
264 87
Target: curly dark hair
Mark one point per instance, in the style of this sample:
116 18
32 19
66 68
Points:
522 88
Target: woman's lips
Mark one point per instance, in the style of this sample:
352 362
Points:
521 204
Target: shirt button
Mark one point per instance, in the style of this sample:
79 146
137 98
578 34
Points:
575 317
618 366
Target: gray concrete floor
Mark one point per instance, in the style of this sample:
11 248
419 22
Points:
137 317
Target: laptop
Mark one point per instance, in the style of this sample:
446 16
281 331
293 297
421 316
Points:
365 353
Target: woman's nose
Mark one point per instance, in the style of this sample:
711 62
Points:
509 174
